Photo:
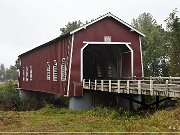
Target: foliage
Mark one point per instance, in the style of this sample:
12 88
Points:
60 101
9 96
2 73
50 109
11 73
8 73
153 45
173 28
104 112
51 119
10 100
17 63
70 27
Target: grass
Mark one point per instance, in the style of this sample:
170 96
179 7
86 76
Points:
53 119
50 119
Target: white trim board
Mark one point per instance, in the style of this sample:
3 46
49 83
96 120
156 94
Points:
118 43
142 66
104 16
70 63
100 43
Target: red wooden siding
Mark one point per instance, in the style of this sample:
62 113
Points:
61 47
38 60
95 33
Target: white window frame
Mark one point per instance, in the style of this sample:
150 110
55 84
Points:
27 74
30 73
63 69
48 71
55 74
23 74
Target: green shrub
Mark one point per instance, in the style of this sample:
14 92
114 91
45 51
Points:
10 99
9 96
59 101
31 104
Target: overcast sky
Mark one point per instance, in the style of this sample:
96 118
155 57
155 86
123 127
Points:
25 24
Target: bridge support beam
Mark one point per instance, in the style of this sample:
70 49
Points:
130 102
157 102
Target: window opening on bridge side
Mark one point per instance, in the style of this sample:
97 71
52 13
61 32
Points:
48 76
30 73
55 71
27 74
63 69
23 74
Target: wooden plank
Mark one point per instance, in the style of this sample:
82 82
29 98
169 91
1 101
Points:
139 87
166 88
109 85
151 87
102 85
83 83
95 85
176 82
174 94
127 86
89 84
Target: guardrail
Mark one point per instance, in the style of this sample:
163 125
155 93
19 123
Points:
154 86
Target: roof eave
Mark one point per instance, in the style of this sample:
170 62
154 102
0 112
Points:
104 16
60 37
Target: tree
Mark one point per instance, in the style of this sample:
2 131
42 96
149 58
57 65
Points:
2 72
17 63
145 24
173 33
153 45
70 27
11 73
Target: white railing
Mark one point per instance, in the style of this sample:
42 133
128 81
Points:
154 86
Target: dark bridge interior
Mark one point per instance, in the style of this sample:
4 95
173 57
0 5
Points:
103 61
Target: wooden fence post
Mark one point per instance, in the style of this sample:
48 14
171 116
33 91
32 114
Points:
95 85
127 86
118 86
109 85
151 87
139 86
89 84
83 83
166 88
102 83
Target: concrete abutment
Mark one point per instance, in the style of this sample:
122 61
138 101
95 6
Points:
92 99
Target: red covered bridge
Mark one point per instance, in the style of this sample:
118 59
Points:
104 49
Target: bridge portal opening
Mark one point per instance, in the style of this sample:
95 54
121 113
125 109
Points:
106 61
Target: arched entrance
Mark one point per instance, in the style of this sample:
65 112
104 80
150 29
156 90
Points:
106 60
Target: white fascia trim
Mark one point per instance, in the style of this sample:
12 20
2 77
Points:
70 63
142 66
98 43
84 26
82 60
108 15
126 24
132 60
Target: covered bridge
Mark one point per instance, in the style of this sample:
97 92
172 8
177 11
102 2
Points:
106 48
